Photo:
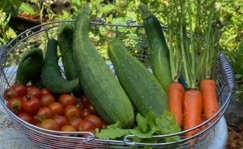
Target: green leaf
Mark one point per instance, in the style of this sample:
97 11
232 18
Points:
142 124
150 119
107 8
10 33
22 6
112 133
230 38
114 126
140 134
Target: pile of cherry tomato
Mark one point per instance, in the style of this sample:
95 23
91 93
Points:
42 108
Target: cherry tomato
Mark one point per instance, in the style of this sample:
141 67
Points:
84 100
44 91
9 93
79 105
50 124
20 89
86 125
33 91
87 135
31 104
46 100
43 113
91 109
60 120
67 99
67 128
26 117
56 108
85 113
75 122
72 111
96 120
15 105
104 125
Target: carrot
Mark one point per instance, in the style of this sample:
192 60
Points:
205 126
209 93
193 107
175 94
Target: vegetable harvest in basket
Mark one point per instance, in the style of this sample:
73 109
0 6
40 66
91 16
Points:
197 47
137 102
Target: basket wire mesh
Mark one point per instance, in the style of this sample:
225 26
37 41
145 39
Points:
134 38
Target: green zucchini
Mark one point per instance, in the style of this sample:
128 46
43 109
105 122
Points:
29 66
65 42
158 47
143 89
51 73
98 82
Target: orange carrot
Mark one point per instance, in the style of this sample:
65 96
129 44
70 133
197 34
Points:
192 106
209 93
176 94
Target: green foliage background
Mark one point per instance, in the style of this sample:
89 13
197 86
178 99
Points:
121 11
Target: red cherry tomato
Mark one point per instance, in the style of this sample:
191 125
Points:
33 91
31 104
9 93
43 113
60 120
84 100
44 91
66 100
79 105
56 108
75 122
20 89
85 113
46 100
72 111
15 105
104 125
86 125
50 124
87 135
91 109
26 117
96 120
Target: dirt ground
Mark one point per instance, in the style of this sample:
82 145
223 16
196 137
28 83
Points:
235 135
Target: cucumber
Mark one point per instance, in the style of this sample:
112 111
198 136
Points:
143 89
159 50
65 42
29 66
98 82
51 75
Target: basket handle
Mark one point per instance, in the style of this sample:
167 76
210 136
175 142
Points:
227 71
3 53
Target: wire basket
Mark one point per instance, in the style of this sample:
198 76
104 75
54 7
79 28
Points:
134 37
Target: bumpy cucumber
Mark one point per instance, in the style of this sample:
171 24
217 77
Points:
65 42
51 74
159 50
98 82
29 66
140 84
